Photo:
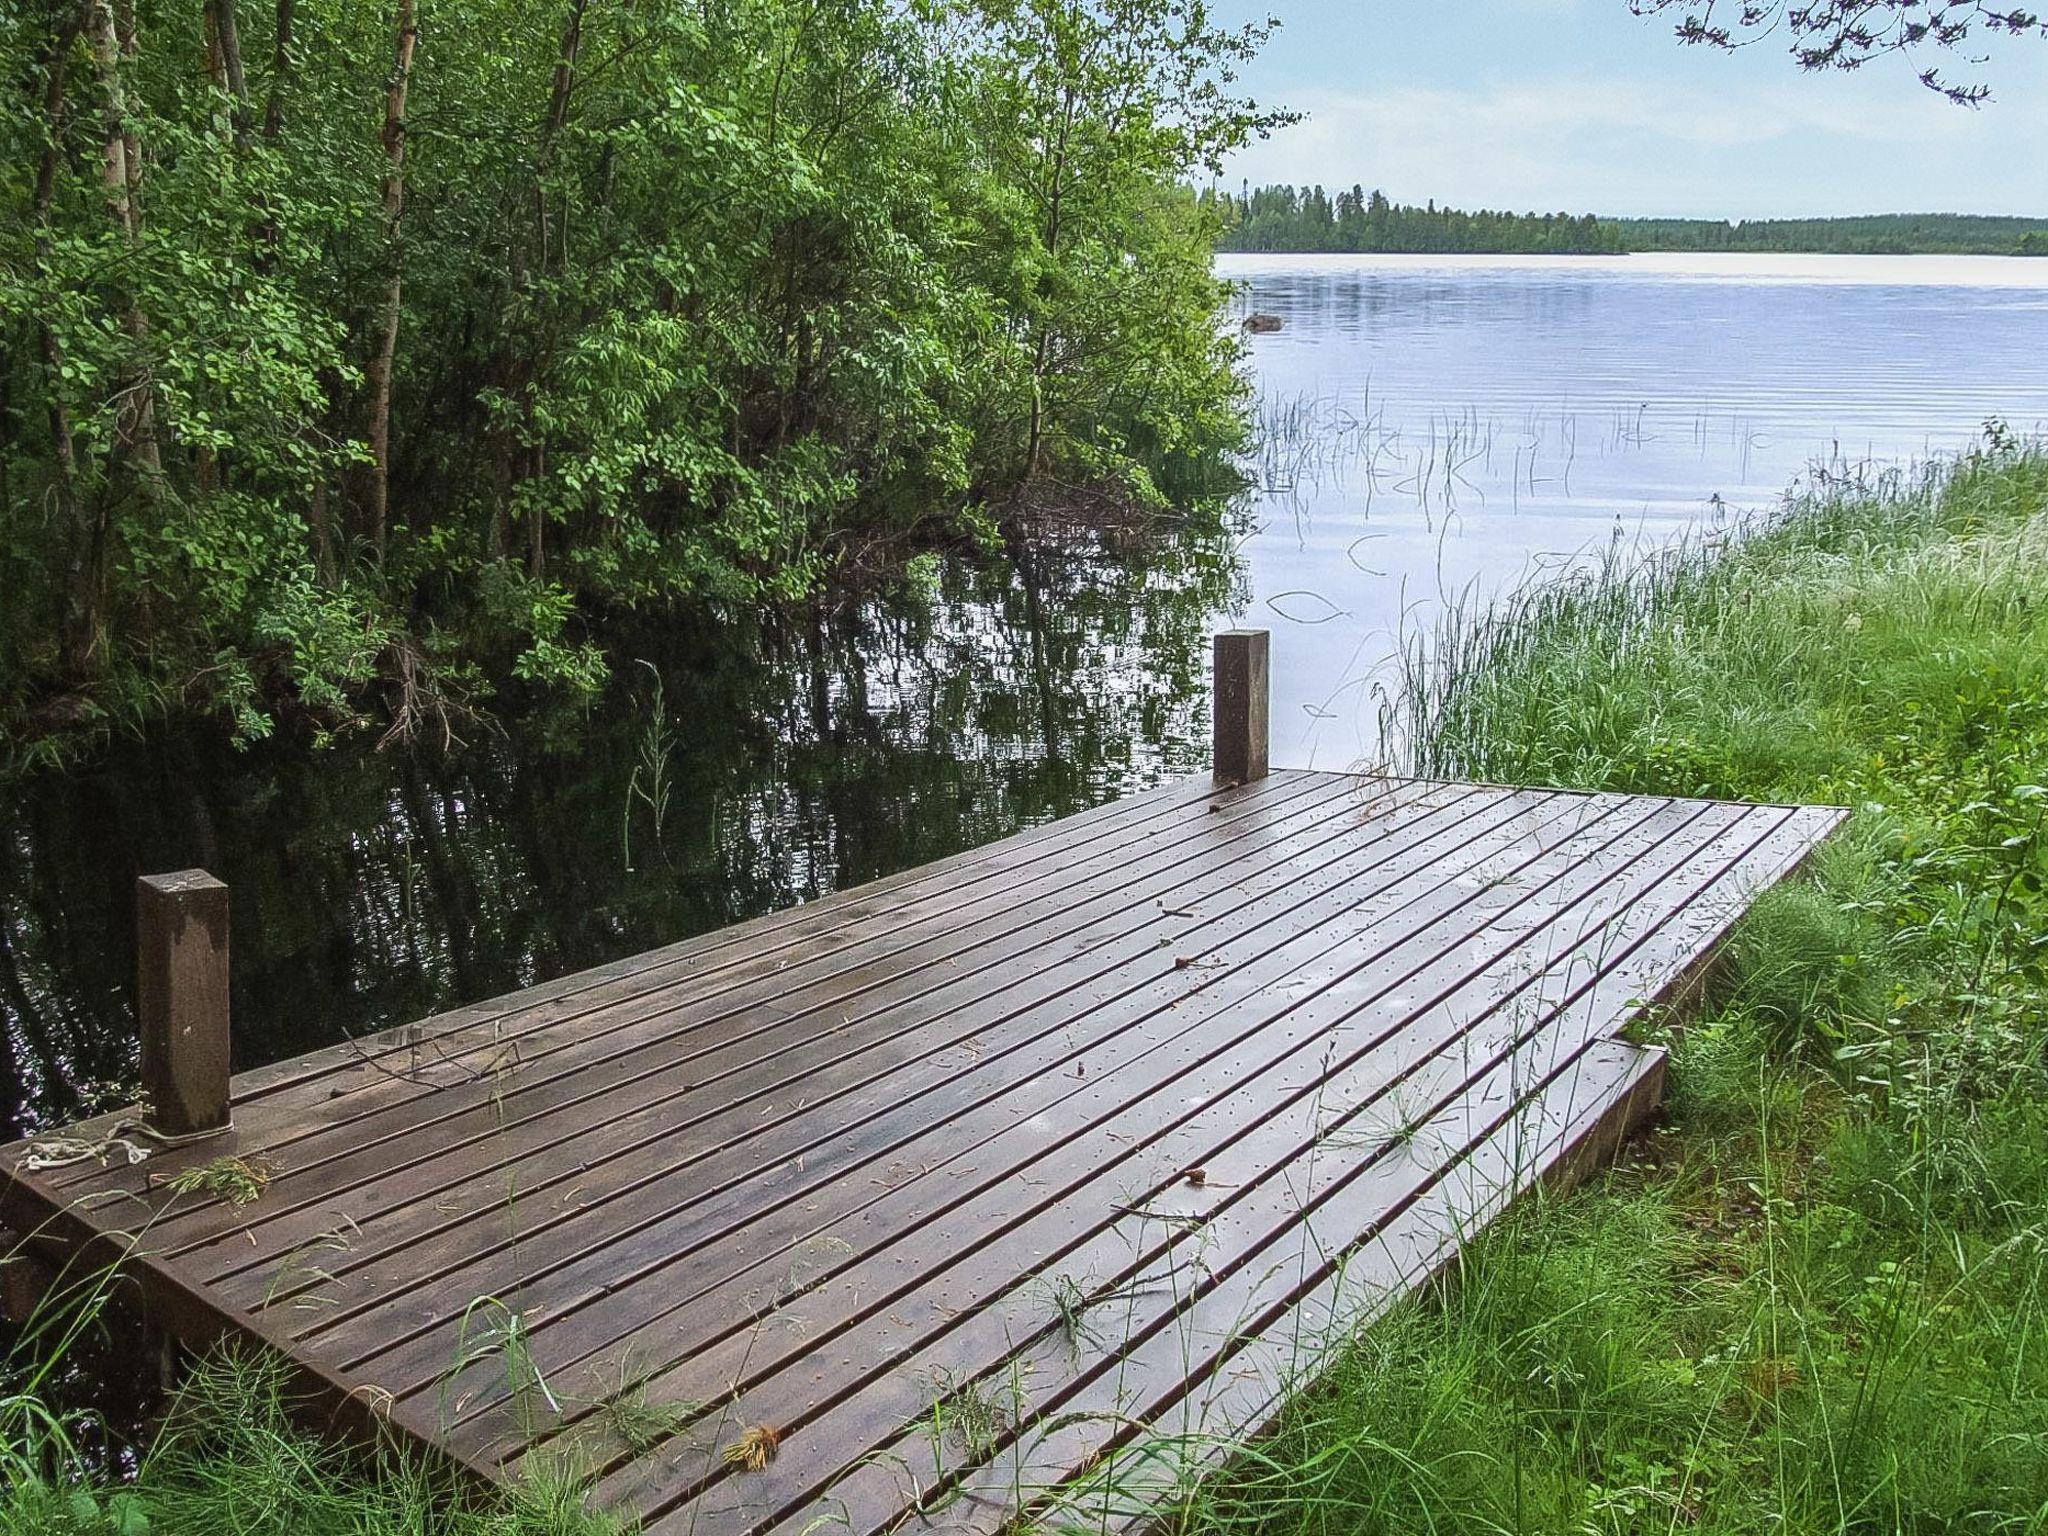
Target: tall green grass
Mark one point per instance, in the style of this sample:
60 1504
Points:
229 1460
1814 1302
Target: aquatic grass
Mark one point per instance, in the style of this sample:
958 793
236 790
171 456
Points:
1690 669
650 784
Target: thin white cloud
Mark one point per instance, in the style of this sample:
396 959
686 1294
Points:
1798 145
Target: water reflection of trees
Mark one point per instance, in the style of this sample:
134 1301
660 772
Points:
799 758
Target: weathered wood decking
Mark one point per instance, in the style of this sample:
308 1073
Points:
963 1180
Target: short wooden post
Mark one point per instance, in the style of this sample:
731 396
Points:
1242 705
181 999
25 1279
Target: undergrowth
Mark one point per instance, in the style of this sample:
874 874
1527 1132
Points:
1813 1301
230 1461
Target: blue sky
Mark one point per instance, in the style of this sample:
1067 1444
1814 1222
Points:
1576 104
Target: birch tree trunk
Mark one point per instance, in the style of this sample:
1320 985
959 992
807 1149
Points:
385 355
281 67
227 41
79 619
1054 192
136 438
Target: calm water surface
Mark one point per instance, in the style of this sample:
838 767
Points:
1432 428
731 774
1438 426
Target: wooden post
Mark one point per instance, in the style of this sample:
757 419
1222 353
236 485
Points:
1241 705
181 1001
25 1279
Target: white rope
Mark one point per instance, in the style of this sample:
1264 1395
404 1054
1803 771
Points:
69 1151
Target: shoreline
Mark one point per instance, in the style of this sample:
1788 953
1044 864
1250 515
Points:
1916 270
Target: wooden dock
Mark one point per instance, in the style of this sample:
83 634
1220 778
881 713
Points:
1037 1174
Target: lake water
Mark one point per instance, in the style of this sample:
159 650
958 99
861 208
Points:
1439 426
1435 426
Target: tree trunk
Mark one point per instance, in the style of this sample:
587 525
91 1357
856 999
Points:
136 440
273 124
323 536
280 71
125 43
227 42
57 69
79 620
386 354
1041 354
565 77
1034 444
561 93
537 525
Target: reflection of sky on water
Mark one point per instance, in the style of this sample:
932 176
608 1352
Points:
1435 427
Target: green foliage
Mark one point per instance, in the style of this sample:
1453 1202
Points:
1285 218
1805 968
692 308
231 1463
1877 234
1814 1301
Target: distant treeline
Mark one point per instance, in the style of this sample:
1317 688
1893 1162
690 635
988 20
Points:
1309 219
1874 234
1282 218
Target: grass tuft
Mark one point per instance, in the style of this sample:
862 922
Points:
1806 969
229 1461
237 1180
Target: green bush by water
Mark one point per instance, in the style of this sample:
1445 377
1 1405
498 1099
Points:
1814 1301
411 362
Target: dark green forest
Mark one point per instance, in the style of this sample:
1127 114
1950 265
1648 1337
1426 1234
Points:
1285 218
358 361
1878 234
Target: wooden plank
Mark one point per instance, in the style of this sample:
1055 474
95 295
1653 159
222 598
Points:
1206 1418
1617 992
827 1167
1139 1159
286 1129
1395 1042
1431 1219
845 1137
1233 1042
650 1091
1173 1316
